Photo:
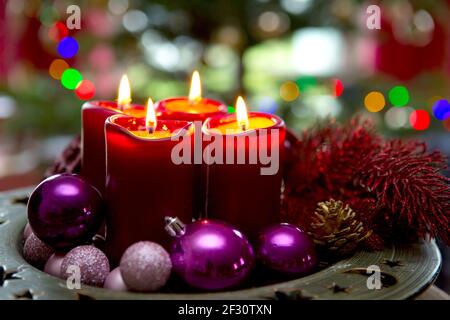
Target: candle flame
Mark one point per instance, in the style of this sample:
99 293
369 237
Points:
195 93
124 96
241 114
150 120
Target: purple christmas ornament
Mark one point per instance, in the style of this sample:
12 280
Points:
92 263
286 249
210 254
36 252
53 265
114 281
65 211
145 266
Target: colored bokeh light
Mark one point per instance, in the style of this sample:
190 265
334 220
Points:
71 78
68 47
289 91
419 120
306 82
374 101
57 67
58 31
231 109
399 96
441 110
447 124
338 87
85 90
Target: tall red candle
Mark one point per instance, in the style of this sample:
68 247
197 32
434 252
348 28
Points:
239 189
143 185
197 109
93 117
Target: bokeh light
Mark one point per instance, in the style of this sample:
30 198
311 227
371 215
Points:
338 87
58 31
374 101
68 47
71 78
398 118
447 124
441 110
57 67
85 90
399 96
306 82
231 109
135 20
289 91
419 120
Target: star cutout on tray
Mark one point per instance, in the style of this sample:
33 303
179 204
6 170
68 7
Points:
7 275
393 263
2 221
337 288
24 295
20 200
291 294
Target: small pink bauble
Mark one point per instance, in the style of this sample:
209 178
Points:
36 252
145 266
93 264
27 231
53 265
114 281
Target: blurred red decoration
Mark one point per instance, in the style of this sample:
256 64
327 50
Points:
338 87
58 31
85 90
419 120
375 177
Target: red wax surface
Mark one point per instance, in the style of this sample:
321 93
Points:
93 160
238 193
143 185
181 109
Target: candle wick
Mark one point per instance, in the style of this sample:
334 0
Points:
151 129
243 127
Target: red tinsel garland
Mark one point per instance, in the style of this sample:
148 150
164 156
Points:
394 185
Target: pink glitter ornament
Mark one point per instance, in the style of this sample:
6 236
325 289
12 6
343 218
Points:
145 266
93 264
36 252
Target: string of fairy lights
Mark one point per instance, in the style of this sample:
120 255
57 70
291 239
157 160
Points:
59 69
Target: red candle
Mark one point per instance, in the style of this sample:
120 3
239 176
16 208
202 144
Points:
197 109
192 108
94 115
143 185
244 188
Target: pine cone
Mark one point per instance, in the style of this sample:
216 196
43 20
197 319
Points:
336 228
69 161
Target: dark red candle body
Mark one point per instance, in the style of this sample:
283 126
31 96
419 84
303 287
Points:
93 160
180 108
143 185
241 192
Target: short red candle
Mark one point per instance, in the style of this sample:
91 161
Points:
192 108
239 193
181 108
94 115
143 185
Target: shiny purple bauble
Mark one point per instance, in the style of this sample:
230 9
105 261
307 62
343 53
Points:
212 255
286 249
65 211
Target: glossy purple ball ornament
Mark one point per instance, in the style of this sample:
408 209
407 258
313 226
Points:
65 211
286 249
209 254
